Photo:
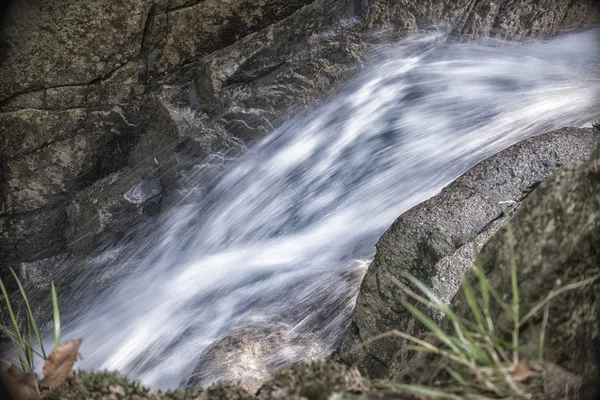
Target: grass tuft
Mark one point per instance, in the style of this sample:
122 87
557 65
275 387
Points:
482 365
25 333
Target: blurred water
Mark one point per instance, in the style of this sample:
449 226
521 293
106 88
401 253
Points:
277 239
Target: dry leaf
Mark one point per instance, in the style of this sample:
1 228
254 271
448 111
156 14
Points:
59 366
522 371
20 384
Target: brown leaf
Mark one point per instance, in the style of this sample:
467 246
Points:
522 371
20 384
59 366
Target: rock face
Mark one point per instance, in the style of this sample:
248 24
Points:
434 242
556 232
95 91
557 242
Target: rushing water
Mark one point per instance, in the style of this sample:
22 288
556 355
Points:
274 243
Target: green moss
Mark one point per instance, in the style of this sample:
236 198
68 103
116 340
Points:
316 381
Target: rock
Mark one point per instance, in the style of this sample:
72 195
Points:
210 25
433 241
556 233
32 129
25 229
80 146
56 43
249 355
176 140
266 78
108 209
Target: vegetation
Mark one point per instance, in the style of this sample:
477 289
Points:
479 360
481 363
22 334
22 383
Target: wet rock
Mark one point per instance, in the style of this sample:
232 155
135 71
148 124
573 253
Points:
44 168
556 233
432 241
63 43
32 129
286 69
26 229
78 80
109 208
506 19
210 25
39 274
143 192
177 139
248 356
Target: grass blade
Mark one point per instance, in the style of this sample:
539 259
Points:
437 302
456 376
56 313
20 343
425 391
432 326
515 288
30 315
474 305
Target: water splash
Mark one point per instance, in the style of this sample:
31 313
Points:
277 239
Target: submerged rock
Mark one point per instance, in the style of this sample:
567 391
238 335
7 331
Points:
248 356
434 242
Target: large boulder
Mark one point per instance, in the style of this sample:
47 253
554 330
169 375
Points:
434 242
556 233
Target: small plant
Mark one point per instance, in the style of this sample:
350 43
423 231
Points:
22 337
22 382
596 124
481 364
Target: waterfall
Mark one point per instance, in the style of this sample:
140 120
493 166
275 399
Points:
281 239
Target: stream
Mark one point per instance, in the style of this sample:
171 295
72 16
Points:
284 236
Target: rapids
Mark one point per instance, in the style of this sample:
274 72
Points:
286 229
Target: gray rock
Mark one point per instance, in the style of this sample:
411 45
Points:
432 241
555 231
244 357
108 209
143 192
59 152
210 25
57 43
557 242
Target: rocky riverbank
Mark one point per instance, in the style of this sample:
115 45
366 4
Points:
107 110
553 196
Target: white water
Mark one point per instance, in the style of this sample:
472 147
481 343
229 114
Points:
274 241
